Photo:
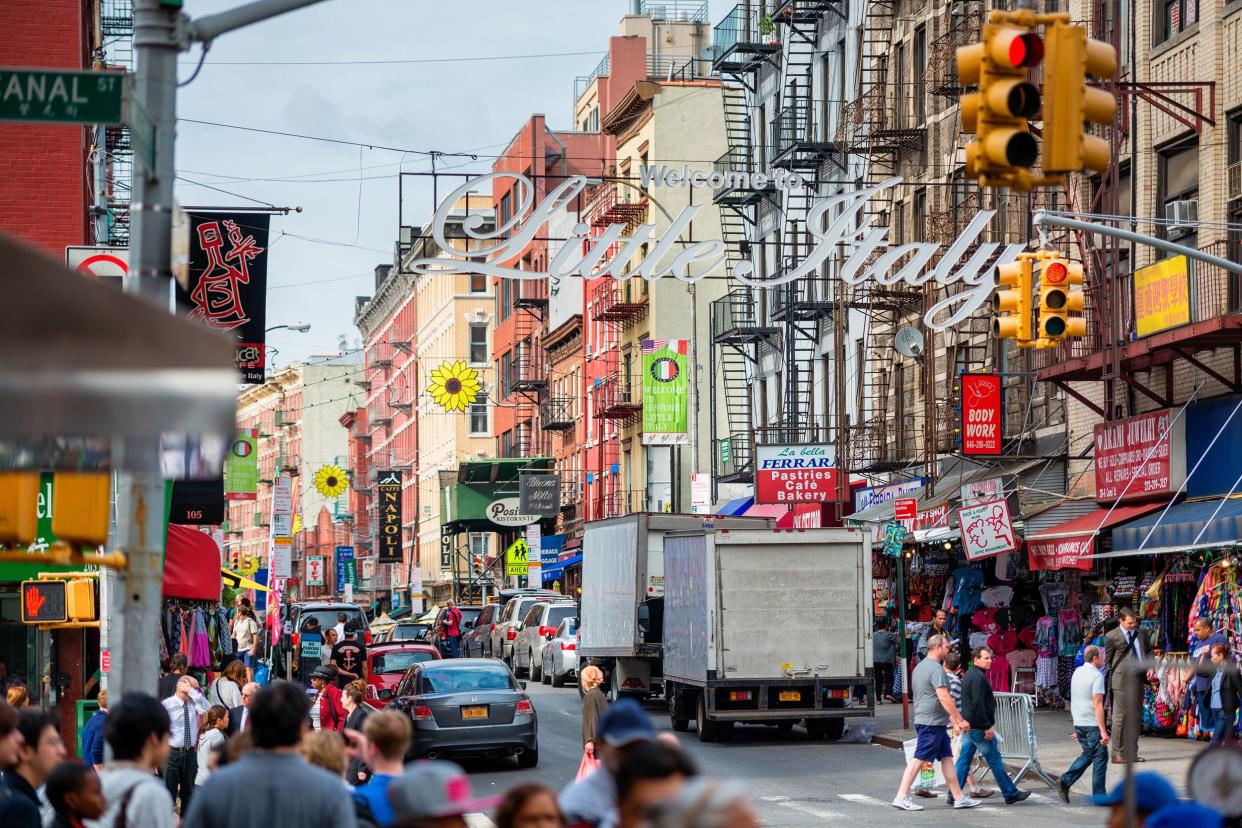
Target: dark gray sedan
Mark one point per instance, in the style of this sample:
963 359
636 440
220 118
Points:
468 707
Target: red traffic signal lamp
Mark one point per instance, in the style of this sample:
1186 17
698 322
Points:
1012 307
998 112
1059 295
1072 56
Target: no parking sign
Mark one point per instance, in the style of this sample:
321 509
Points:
107 264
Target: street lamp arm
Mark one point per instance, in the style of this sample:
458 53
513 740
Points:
1043 218
206 29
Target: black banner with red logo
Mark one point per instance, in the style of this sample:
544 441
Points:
226 286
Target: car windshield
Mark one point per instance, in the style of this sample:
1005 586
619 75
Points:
327 618
399 661
407 632
466 678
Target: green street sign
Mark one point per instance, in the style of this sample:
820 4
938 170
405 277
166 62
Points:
64 97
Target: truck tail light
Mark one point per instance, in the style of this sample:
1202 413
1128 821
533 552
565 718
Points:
523 708
839 693
568 645
741 695
422 713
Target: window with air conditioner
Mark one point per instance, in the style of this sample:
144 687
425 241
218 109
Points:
1179 192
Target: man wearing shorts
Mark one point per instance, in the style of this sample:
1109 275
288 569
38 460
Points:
934 711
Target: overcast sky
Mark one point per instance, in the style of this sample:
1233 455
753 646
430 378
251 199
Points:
349 195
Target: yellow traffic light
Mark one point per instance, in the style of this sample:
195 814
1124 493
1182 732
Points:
1059 295
19 493
80 507
1013 307
1072 56
998 112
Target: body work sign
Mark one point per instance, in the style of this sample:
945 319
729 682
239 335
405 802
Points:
981 414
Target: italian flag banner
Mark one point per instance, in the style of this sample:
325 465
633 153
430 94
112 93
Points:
666 392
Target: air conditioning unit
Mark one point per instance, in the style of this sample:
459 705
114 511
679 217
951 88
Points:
1235 181
1182 215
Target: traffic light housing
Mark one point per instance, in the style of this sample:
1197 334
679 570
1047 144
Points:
1069 102
1059 295
999 111
1012 307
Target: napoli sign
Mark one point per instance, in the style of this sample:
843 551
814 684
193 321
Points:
586 255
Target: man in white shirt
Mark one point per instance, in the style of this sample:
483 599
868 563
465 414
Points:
185 708
1090 728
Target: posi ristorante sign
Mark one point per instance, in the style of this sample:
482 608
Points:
835 222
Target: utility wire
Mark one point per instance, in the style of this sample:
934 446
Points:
397 62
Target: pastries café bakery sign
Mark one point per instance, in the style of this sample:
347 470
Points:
836 222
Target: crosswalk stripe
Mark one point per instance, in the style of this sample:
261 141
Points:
479 821
862 798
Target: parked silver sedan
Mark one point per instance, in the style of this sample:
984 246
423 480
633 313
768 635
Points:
468 707
560 654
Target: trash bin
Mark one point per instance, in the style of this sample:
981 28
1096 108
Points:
85 709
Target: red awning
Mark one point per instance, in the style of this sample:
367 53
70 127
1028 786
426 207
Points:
766 510
191 565
802 516
1064 546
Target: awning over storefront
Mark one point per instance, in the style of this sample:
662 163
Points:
956 473
1069 544
191 565
240 581
553 573
464 501
766 510
1185 526
736 506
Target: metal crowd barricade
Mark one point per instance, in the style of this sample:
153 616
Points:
1015 724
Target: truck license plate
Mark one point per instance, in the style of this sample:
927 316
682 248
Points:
474 712
790 696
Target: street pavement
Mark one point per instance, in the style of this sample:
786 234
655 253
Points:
791 781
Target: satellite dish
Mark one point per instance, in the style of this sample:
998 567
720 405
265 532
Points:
909 342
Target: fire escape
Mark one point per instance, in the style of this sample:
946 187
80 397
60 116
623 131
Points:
116 51
529 379
879 126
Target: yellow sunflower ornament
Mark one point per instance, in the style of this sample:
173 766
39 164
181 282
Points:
331 481
454 386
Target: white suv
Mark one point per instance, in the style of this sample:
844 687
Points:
538 627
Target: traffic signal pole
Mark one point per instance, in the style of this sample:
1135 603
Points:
1045 219
161 33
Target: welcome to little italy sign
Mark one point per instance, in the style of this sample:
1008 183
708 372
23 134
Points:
586 254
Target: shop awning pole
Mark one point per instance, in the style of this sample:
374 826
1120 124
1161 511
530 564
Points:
1216 512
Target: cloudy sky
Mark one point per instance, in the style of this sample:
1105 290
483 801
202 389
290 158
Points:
347 69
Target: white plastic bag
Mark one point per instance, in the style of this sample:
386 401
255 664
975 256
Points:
931 776
859 732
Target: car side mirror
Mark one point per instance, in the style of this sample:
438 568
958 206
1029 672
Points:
385 693
522 684
469 625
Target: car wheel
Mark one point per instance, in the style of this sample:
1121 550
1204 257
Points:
679 725
558 680
528 758
535 670
835 729
707 728
817 729
518 670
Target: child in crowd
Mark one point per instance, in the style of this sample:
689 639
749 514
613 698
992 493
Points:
74 792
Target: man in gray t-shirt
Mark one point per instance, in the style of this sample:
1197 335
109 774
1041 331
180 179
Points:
934 710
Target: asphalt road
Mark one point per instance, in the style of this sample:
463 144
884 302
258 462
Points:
792 782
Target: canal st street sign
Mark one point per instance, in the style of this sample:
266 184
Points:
61 96
804 473
833 221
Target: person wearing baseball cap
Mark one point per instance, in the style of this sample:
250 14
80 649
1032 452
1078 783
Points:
1152 792
434 794
1185 815
592 801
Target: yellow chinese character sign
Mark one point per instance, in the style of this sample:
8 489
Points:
1162 296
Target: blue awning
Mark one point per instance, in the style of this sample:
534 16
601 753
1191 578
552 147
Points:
551 573
736 506
1211 522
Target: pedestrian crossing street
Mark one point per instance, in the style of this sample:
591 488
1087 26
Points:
853 806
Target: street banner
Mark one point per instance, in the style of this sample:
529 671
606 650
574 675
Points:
981 414
666 392
869 496
1122 461
539 494
1062 553
241 466
1162 296
346 568
516 558
388 486
700 494
282 510
314 570
803 473
534 555
986 530
894 537
226 282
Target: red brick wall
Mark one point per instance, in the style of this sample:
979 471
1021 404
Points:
43 174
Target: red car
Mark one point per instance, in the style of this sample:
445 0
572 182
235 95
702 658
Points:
387 663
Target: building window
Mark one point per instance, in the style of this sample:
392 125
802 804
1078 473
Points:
479 426
1179 189
506 374
920 214
920 67
1179 15
506 444
478 283
506 298
478 344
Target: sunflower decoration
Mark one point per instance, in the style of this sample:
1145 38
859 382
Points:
331 481
454 386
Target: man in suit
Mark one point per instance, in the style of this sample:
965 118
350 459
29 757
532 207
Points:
1125 646
239 717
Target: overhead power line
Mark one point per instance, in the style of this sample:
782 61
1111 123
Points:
395 62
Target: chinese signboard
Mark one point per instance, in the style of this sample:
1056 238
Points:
870 496
226 284
61 96
388 484
981 414
1162 296
1061 553
666 392
314 570
539 494
986 530
241 466
803 473
1140 457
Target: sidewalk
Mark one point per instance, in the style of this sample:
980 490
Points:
1170 757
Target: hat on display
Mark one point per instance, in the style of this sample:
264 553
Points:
432 789
624 723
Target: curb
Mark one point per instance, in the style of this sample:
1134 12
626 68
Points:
887 741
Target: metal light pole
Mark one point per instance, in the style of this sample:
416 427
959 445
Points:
161 33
